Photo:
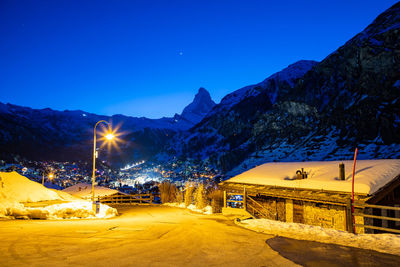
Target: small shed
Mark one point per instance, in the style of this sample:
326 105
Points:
318 193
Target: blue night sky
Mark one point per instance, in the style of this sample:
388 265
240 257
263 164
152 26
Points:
148 58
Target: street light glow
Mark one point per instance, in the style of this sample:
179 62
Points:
109 136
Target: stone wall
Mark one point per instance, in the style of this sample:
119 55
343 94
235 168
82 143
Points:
325 215
289 210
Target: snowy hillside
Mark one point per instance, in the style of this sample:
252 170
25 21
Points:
272 84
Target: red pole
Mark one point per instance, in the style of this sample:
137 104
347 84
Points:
352 192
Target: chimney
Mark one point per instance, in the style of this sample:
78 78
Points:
341 171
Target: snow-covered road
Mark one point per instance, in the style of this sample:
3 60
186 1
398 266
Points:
165 236
143 235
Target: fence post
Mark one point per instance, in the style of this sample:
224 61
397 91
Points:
224 199
244 198
349 217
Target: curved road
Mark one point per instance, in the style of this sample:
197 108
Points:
142 235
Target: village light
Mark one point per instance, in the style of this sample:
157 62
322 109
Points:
108 137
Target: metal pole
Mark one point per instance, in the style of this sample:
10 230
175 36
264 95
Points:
352 192
43 179
94 162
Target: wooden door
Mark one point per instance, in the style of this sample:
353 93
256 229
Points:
298 211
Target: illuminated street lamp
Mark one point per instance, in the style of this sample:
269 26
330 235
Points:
109 136
51 175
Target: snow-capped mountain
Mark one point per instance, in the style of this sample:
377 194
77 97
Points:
198 109
66 135
310 111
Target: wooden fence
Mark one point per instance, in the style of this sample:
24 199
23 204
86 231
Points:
368 210
127 199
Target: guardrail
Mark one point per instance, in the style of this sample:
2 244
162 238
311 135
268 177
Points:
127 199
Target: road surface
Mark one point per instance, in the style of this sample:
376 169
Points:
165 236
141 236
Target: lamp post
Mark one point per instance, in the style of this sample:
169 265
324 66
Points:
109 136
51 175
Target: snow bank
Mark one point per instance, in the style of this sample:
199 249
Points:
70 210
206 210
78 210
388 243
370 175
17 188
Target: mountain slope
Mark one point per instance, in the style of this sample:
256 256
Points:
350 99
229 124
67 135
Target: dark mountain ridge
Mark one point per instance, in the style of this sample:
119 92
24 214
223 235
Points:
67 135
350 99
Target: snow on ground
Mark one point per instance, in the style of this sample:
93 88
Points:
370 175
388 243
206 210
15 190
84 190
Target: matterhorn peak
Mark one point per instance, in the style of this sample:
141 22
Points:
200 106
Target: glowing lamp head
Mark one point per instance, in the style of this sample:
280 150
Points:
51 176
109 136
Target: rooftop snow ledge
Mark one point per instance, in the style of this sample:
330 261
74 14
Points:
371 175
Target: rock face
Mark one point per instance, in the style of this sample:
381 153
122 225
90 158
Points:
311 111
198 109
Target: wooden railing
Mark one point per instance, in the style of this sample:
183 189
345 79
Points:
256 209
366 207
249 204
127 199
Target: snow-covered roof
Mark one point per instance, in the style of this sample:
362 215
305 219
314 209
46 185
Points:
370 175
84 190
18 188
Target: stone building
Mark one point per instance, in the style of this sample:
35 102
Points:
317 193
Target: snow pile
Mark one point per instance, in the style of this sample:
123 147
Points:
11 209
388 243
70 210
84 190
207 210
78 210
17 188
370 176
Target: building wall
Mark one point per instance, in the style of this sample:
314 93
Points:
325 215
289 210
